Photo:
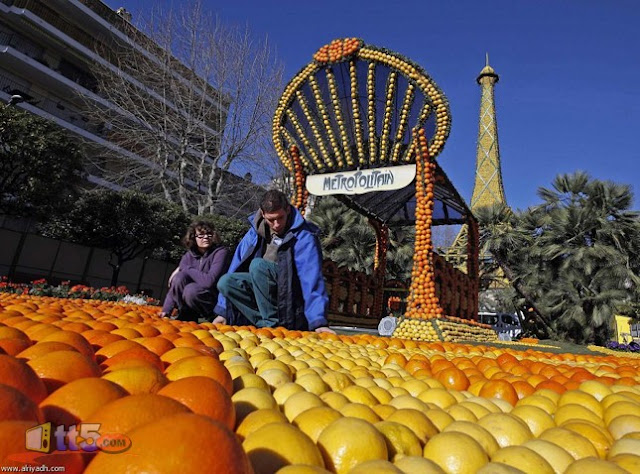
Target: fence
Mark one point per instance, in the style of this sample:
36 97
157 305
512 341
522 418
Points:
26 256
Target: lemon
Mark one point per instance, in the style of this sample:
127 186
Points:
507 429
522 458
456 453
292 447
477 432
401 441
312 421
347 442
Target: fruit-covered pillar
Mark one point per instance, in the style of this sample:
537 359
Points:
379 263
472 264
423 302
301 195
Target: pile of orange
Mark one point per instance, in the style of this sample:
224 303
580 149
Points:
229 399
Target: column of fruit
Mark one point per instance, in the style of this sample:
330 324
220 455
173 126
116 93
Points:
472 264
379 264
301 194
423 302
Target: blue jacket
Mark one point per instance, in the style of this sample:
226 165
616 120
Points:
302 297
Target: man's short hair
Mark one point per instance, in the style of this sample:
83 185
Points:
274 200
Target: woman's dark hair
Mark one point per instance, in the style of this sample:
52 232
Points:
274 200
189 239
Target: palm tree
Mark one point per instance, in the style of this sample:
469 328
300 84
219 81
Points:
571 257
348 239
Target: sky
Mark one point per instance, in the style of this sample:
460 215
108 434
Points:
568 98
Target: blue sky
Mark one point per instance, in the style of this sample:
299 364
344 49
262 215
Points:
569 92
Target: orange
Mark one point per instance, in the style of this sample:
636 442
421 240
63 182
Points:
75 401
453 378
181 443
203 396
158 345
14 346
206 366
134 353
177 353
113 348
347 442
73 339
138 380
396 358
456 452
98 338
523 389
292 447
42 348
15 405
19 375
551 385
124 414
499 389
12 436
61 367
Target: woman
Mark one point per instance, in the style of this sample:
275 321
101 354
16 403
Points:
192 286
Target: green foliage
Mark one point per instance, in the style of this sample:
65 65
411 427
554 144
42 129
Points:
40 167
348 239
573 258
128 224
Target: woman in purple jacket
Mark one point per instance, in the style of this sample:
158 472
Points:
192 286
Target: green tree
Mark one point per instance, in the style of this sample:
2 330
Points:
572 258
128 224
40 166
348 239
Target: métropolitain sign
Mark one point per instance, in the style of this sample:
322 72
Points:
361 181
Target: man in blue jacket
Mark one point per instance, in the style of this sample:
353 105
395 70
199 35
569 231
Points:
275 277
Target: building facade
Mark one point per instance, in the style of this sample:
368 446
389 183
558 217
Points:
48 52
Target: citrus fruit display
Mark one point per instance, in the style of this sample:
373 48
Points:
269 400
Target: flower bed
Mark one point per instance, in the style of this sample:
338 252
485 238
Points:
64 290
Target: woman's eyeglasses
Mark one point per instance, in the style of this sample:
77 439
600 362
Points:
204 236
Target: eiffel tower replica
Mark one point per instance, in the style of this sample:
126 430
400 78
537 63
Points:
488 188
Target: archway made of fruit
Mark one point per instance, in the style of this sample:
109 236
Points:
365 125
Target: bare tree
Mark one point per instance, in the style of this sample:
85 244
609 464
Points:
187 99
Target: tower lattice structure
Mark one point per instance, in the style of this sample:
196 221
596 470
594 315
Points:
488 188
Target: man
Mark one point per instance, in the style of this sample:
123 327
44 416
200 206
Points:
275 277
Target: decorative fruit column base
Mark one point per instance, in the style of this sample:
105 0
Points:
425 318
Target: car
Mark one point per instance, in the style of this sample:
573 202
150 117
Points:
508 326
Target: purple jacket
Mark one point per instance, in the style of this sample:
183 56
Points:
205 270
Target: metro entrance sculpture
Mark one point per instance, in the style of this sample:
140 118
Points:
365 125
